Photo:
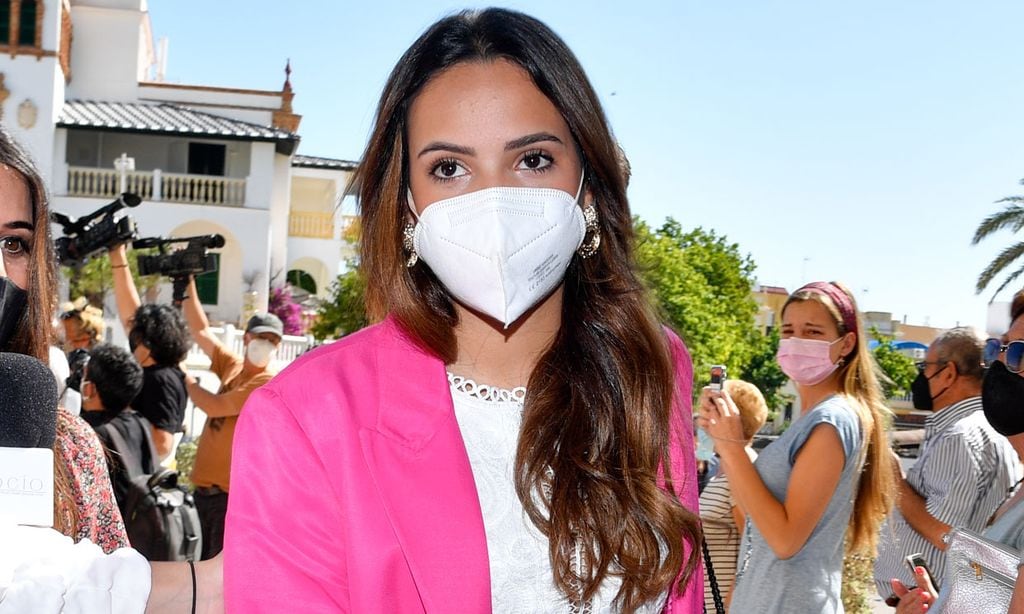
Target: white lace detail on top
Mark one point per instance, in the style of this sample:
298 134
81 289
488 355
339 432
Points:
521 577
491 394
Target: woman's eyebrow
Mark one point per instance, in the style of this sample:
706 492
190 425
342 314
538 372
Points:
530 139
19 225
444 146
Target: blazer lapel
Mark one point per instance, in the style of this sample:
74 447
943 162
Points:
418 461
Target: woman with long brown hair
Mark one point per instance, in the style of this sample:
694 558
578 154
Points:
828 480
84 502
514 433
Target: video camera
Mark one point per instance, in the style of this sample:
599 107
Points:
179 265
95 232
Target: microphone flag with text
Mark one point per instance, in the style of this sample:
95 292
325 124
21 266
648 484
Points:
28 420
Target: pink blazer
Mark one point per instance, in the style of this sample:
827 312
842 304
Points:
351 490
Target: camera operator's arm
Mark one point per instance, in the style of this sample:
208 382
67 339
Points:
213 405
127 295
198 325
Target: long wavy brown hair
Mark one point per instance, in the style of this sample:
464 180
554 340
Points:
595 435
858 380
32 336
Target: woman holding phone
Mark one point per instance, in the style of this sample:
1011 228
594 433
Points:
828 480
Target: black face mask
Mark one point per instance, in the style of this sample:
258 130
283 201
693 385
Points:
1002 399
921 394
13 301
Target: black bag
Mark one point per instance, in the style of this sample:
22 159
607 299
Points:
160 516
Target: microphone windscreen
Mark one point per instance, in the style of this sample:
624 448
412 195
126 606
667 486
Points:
28 402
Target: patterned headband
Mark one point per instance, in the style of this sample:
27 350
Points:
841 299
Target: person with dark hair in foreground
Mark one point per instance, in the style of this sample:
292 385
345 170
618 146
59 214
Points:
50 571
510 437
112 378
84 506
158 337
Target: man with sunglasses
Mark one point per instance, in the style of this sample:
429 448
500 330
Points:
1012 351
963 471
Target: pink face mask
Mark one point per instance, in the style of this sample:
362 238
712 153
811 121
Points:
806 361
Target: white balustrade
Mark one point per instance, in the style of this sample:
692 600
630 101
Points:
203 189
157 185
103 183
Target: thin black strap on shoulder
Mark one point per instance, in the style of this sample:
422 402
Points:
716 593
150 462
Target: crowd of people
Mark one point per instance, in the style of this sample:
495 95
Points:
515 433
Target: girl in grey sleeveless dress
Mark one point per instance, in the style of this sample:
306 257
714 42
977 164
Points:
804 494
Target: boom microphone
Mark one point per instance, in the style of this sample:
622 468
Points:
28 402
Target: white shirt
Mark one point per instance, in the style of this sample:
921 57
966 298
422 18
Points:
43 571
521 576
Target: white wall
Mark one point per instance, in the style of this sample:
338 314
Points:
279 202
30 79
105 57
252 100
260 182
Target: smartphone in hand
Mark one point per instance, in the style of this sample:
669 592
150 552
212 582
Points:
917 560
718 375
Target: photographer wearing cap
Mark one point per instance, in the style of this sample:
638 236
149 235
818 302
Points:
159 340
239 376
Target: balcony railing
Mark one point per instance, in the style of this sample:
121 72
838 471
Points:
311 224
158 186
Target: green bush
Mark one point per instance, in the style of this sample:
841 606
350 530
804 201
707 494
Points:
184 460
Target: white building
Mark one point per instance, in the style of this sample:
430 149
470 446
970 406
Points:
81 86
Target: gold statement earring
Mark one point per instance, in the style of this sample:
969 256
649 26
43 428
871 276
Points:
589 247
407 235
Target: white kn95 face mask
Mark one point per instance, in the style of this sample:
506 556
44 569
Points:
501 250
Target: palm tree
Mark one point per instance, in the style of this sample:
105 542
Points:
1012 217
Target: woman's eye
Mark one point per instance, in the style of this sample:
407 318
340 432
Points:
447 169
13 246
536 161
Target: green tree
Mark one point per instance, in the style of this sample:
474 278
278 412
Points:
94 279
1012 217
762 369
344 312
898 369
701 283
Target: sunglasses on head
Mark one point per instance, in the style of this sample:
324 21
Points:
1014 353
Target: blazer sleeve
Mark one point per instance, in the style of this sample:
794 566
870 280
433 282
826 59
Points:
683 464
283 544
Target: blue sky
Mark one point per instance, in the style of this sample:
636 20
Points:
853 141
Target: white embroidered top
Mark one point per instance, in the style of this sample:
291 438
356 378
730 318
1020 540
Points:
521 577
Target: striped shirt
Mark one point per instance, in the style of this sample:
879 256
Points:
722 536
963 472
